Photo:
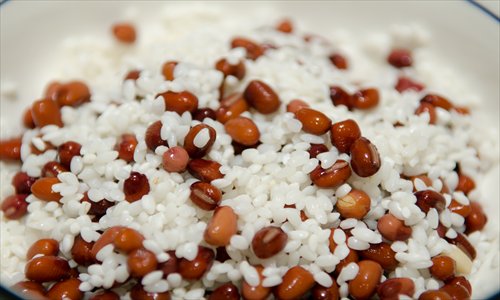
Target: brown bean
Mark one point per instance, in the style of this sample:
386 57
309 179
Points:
456 292
136 186
382 254
47 268
132 75
339 61
105 295
28 119
461 281
22 183
205 195
97 209
44 247
73 93
221 227
46 112
285 26
458 208
424 178
268 241
189 145
46 146
425 107
393 228
320 292
316 149
477 219
141 262
405 83
194 269
29 290
168 70
138 293
81 252
356 204
243 131
465 184
52 169
202 113
124 33
258 292
175 159
365 98
463 244
42 189
170 266
128 240
437 101
428 199
365 159
364 284
400 58
227 291
66 289
227 69
180 102
434 295
205 170
392 288
296 282
126 147
10 149
463 110
443 267
106 238
67 151
340 97
350 258
231 107
343 134
253 49
331 177
313 121
262 97
14 207
295 105
153 136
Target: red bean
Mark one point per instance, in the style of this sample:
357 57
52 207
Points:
194 269
356 204
383 254
258 292
434 295
313 121
339 61
81 252
47 268
10 149
136 186
343 134
29 290
461 281
138 293
205 195
443 267
316 149
175 159
477 219
393 228
400 58
126 147
73 93
458 208
425 107
180 102
170 266
67 289
105 295
405 84
285 26
463 244
332 177
128 240
205 170
227 69
52 169
456 292
269 241
221 254
297 281
124 33
141 262
222 226
132 75
340 97
67 151
253 49
42 189
227 291
261 97
106 238
46 112
44 247
437 101
364 284
153 136
351 257
295 105
168 70
202 113
243 131
189 145
28 119
365 159
428 199
14 207
22 183
320 292
365 99
392 288
465 184
231 107
97 209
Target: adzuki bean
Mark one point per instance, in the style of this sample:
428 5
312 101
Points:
258 292
227 291
405 84
261 97
393 287
477 219
105 295
10 149
343 134
81 252
124 33
316 149
175 159
400 58
295 105
167 70
319 292
428 199
138 293
14 207
46 112
434 295
194 269
135 186
365 159
364 284
339 61
231 107
393 228
205 170
141 262
227 69
22 183
44 247
331 177
243 131
383 254
365 99
46 269
297 281
253 49
189 145
42 189
340 97
180 102
66 289
126 147
205 196
443 267
30 290
67 151
52 169
269 241
221 227
313 121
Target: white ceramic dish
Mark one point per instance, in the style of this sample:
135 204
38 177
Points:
464 37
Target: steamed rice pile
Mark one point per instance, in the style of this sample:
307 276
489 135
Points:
261 181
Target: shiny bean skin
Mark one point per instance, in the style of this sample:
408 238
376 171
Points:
297 281
189 146
285 26
106 238
132 75
231 107
339 61
175 159
334 176
42 189
128 240
73 93
14 207
52 169
434 295
351 257
22 183
392 288
153 136
393 228
194 269
400 58
320 292
458 208
424 178
97 209
269 241
171 265
262 97
67 151
44 247
343 134
258 292
138 293
105 295
124 33
64 290
204 170
29 290
168 70
363 286
28 119
405 83
365 99
205 196
437 101
202 113
383 254
365 159
243 131
81 252
46 112
10 149
227 291
456 292
425 107
316 149
313 121
253 49
477 219
428 199
461 281
295 105
141 262
47 268
180 102
136 186
340 97
443 267
227 69
221 227
126 147
465 184
356 204
462 242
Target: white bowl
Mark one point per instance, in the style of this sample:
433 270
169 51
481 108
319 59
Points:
464 37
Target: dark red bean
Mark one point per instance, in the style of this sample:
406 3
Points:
44 247
343 134
295 105
434 295
285 26
437 101
22 183
66 289
456 292
194 269
231 107
46 112
205 170
10 149
365 159
29 290
443 267
191 148
14 207
465 184
392 288
42 189
261 97
136 186
365 99
221 254
405 84
73 93
313 121
340 97
153 136
126 147
400 58
339 61
461 281
138 293
227 291
331 177
205 195
383 254
180 102
227 69
47 268
141 262
124 32
458 208
67 151
425 107
170 266
97 209
428 199
477 219
297 281
463 243
258 292
52 169
81 252
132 75
202 113
316 149
393 228
253 49
269 241
168 70
28 119
320 292
105 295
